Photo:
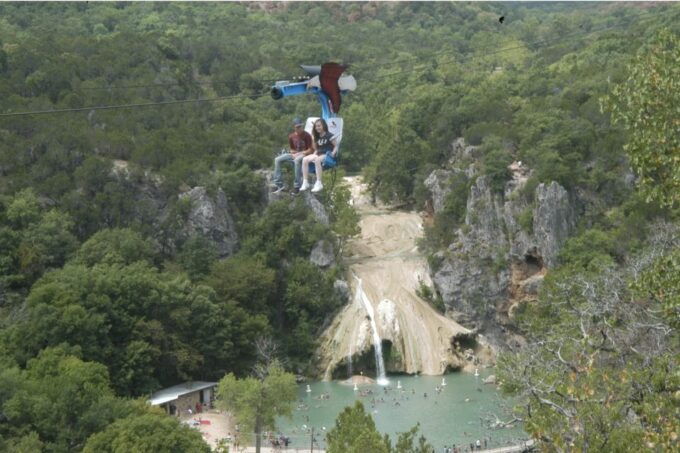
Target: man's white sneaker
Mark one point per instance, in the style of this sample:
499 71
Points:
304 186
318 187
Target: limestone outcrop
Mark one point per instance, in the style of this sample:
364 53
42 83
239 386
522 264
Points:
469 277
503 248
342 290
209 217
553 220
311 200
322 254
386 270
438 185
194 212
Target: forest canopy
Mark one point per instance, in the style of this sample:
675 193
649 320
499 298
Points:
105 294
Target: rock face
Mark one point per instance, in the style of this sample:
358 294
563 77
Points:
505 245
316 206
309 199
385 271
342 289
491 379
322 254
470 279
209 217
553 220
437 184
150 205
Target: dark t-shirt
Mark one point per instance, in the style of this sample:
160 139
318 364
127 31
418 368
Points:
300 142
324 144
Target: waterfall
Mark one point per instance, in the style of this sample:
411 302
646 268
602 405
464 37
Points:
377 343
349 361
384 263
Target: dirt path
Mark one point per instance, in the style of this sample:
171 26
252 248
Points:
385 260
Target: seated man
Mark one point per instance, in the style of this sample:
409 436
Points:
299 145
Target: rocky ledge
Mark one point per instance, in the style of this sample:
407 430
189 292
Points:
504 246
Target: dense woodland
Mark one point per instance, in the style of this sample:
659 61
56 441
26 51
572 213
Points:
96 311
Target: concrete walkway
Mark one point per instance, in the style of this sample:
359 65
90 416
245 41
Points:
279 450
526 446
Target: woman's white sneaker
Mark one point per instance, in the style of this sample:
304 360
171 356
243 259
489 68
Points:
317 186
304 186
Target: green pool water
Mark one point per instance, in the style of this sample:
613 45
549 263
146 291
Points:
445 417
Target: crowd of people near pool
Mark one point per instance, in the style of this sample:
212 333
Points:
396 397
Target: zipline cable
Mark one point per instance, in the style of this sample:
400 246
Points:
187 84
359 67
127 106
463 58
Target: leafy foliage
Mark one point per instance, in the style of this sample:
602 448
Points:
115 246
355 432
58 401
495 161
32 240
257 401
661 284
646 105
150 432
600 367
88 286
131 318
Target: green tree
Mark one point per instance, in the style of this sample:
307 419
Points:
115 246
147 433
58 401
23 209
308 296
282 232
645 104
355 432
406 442
495 161
50 239
590 250
344 218
661 284
148 328
245 280
599 371
197 256
256 401
28 443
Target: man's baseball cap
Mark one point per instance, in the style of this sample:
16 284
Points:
297 122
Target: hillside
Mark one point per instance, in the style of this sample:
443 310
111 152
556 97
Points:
139 246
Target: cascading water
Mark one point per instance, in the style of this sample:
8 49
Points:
384 260
349 362
377 343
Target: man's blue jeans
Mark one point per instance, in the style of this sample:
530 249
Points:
288 157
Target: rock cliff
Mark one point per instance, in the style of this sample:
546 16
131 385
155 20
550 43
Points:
504 246
194 212
384 311
209 217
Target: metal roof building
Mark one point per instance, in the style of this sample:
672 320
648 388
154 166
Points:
184 396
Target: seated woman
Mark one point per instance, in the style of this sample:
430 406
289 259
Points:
325 149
